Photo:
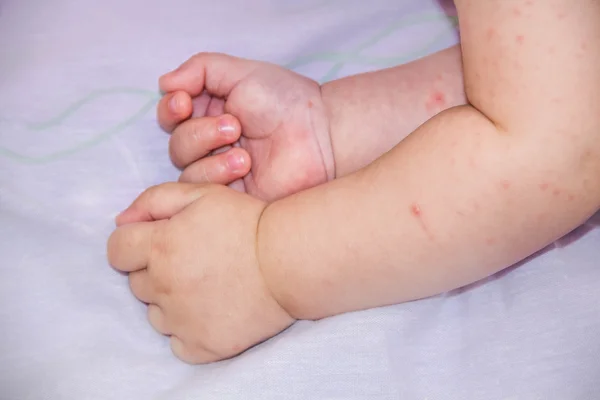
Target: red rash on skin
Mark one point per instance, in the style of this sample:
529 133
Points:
506 184
517 12
544 186
310 104
571 197
436 102
520 39
490 241
415 210
556 192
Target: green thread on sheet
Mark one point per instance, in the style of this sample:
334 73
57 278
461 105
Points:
97 138
339 58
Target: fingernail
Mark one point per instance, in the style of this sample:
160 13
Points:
224 125
235 162
174 104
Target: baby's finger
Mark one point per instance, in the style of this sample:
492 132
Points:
128 247
222 169
214 72
191 355
157 319
141 286
197 137
172 109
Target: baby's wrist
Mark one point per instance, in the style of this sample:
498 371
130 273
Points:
271 263
322 127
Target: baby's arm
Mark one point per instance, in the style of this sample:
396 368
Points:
470 192
370 113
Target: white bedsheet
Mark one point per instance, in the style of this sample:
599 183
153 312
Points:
78 141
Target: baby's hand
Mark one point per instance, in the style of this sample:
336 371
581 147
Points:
281 143
191 253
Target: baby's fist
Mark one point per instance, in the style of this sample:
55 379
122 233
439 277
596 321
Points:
191 253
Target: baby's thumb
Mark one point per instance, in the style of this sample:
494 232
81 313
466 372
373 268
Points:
214 72
160 202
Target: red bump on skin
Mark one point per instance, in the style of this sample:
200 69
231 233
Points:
476 206
520 39
505 184
517 12
491 32
556 192
310 104
436 102
415 210
490 241
544 186
571 197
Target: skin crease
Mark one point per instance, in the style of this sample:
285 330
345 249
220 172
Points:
404 218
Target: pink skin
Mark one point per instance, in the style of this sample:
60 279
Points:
277 140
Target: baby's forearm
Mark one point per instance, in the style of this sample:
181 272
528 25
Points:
389 103
453 203
471 191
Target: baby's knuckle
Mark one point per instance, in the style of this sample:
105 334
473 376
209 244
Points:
160 246
175 151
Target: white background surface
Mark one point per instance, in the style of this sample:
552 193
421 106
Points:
70 329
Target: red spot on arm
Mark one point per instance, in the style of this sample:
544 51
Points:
505 184
556 192
310 104
544 186
490 241
571 197
491 32
520 39
436 102
517 12
415 210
